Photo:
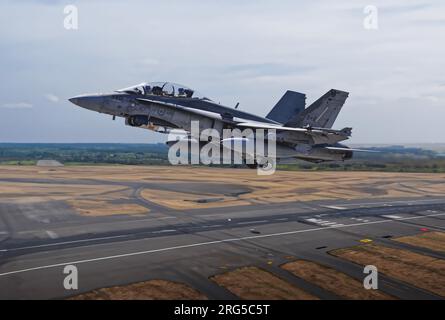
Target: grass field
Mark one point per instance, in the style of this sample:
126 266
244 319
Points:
188 187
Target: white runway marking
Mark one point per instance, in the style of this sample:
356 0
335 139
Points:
360 219
164 231
391 216
328 223
51 234
335 207
321 222
199 244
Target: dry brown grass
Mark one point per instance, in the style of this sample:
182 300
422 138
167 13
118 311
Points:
104 208
430 240
283 186
256 284
148 290
184 200
333 281
287 186
417 269
86 199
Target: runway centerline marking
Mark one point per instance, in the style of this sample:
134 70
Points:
199 244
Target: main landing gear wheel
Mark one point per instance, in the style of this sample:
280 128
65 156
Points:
267 164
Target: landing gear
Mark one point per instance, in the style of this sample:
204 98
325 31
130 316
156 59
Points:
264 164
267 164
252 165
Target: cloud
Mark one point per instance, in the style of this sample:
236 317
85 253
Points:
403 7
51 97
149 62
267 69
435 100
17 105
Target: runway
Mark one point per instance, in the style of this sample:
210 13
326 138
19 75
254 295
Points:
187 251
38 239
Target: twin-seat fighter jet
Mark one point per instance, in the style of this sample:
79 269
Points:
299 132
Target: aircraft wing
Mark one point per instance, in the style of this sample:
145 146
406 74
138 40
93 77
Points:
346 132
208 114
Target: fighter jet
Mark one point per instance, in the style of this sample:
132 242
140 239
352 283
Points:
299 132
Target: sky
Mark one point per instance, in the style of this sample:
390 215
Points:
249 52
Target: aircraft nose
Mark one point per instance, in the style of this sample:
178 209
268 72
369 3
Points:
74 100
88 101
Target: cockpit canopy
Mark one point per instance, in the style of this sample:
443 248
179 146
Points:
168 89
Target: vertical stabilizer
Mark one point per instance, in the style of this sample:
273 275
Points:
322 113
290 104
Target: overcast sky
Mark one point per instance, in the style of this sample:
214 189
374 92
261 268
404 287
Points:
233 51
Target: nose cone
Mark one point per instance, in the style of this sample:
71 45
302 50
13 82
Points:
90 101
